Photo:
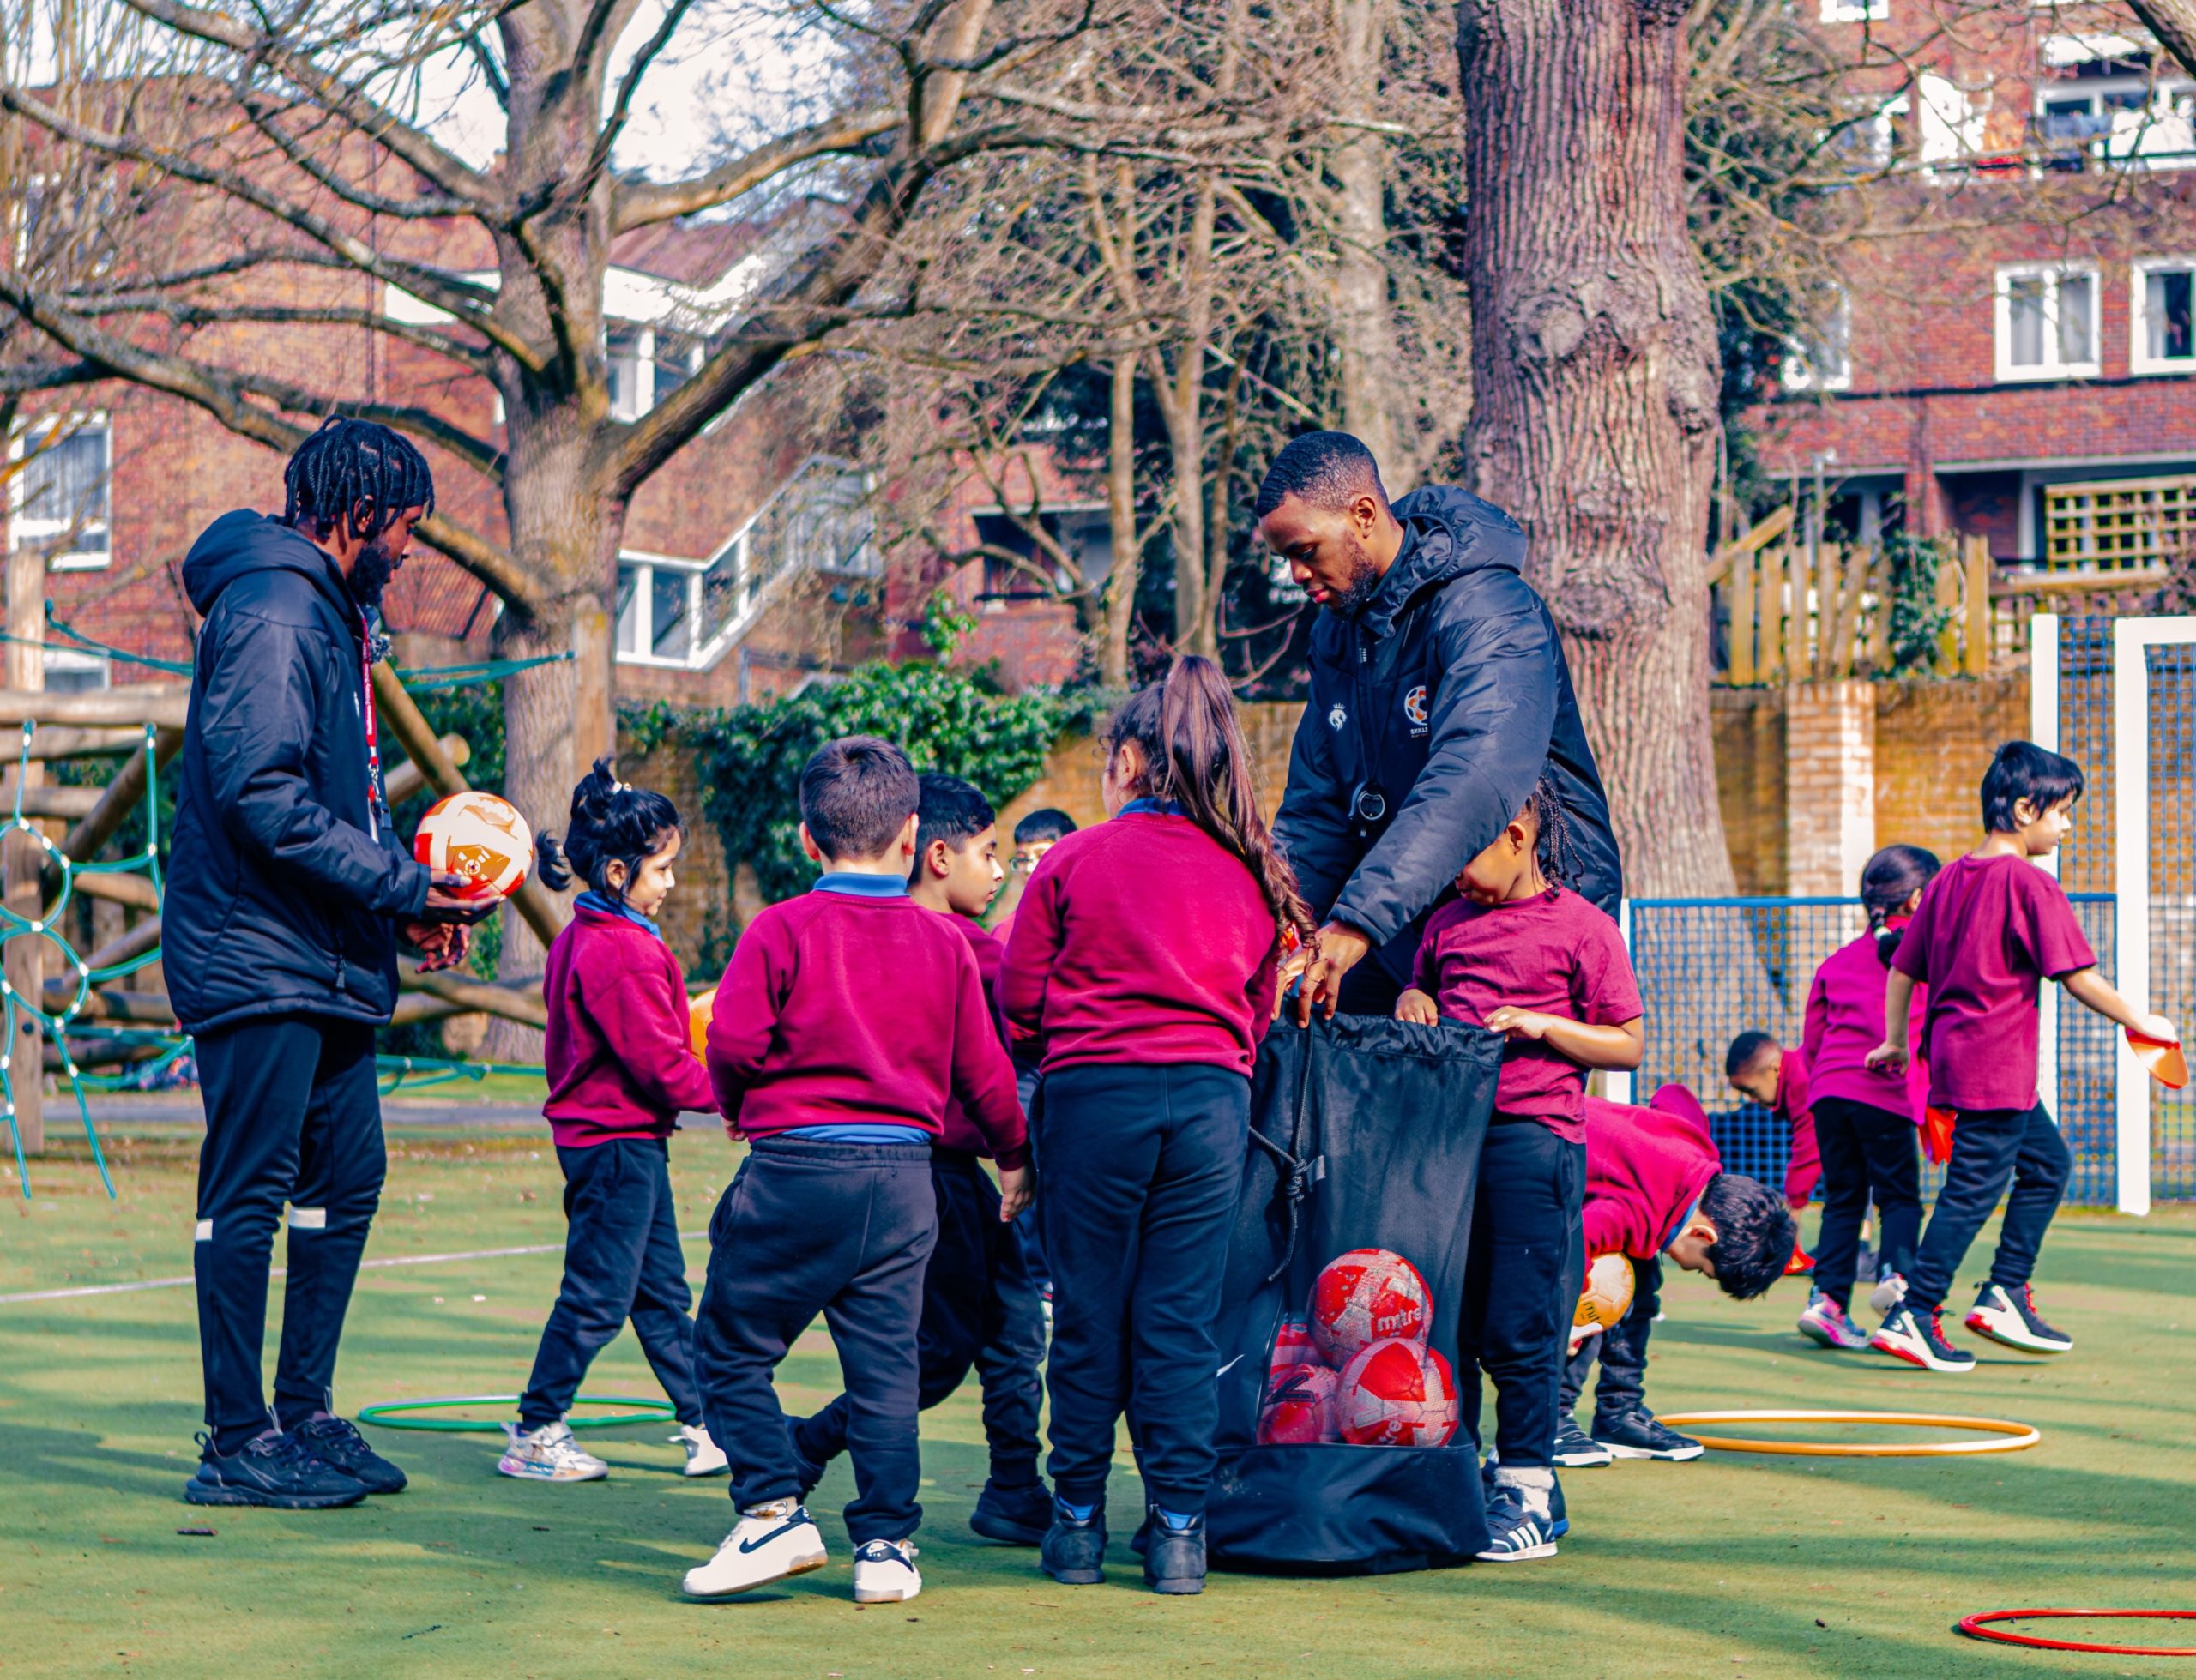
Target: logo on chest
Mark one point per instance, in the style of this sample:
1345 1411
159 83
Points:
1338 715
1415 710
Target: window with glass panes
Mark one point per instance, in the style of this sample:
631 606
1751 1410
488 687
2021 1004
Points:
60 502
2047 322
2164 307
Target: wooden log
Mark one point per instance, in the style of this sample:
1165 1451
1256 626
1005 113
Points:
144 937
1772 614
419 1006
138 1009
526 1006
407 780
1726 558
2003 584
66 741
1744 614
138 704
63 801
23 668
118 799
541 908
103 1052
134 890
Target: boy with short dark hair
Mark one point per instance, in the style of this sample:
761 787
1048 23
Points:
848 1021
980 1305
1656 1187
1990 929
1763 1070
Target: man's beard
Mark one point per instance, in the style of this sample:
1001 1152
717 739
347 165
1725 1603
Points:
371 573
1364 578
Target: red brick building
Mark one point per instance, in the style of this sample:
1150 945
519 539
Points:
2020 365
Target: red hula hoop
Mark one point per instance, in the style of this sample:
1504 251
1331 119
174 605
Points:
1972 1626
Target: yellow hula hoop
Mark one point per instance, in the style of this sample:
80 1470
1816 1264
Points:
2003 1437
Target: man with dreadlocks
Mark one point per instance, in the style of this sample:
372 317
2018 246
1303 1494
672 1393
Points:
287 891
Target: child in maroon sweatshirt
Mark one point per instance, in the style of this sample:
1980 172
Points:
1656 1187
620 1069
1143 964
1865 1120
981 1303
849 1021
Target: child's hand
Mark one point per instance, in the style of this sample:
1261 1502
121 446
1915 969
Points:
1889 1056
2160 1028
1015 1191
1415 1007
1516 1023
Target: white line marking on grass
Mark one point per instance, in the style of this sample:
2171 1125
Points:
277 1270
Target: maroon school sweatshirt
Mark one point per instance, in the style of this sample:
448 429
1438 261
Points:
849 1007
958 1130
1645 1169
1144 940
620 1059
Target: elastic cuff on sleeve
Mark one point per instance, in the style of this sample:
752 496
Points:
1013 1160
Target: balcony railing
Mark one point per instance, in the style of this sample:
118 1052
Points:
687 614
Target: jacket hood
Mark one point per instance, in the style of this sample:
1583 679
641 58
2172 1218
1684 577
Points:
1447 532
241 543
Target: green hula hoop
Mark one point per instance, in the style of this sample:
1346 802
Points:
387 1413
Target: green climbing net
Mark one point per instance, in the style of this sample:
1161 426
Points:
154 1049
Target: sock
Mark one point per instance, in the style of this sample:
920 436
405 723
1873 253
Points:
1531 1483
1074 1513
289 1413
1177 1520
1009 1475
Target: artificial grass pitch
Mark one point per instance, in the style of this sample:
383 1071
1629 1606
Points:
1733 1565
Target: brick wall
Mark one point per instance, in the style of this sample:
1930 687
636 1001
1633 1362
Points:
1934 741
1829 785
1749 736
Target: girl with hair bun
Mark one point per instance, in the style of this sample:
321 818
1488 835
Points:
1865 1118
1143 966
621 1069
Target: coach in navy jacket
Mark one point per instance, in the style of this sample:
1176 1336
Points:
1438 696
285 895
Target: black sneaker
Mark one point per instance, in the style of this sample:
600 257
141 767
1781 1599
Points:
1512 1537
1639 1435
1019 1516
272 1468
1074 1548
2009 1315
1576 1450
336 1441
1174 1558
1919 1339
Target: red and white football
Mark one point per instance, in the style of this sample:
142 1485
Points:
1397 1394
1300 1408
1365 1296
1292 1346
478 837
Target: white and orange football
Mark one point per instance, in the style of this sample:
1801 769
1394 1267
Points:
478 837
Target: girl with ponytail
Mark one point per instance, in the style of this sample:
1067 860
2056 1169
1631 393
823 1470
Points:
1865 1118
1142 967
621 1067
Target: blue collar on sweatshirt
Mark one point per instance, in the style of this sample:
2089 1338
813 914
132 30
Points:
1155 807
591 899
1684 1219
861 886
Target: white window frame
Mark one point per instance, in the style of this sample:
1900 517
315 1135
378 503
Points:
70 659
1799 372
1856 11
28 528
2139 359
2051 368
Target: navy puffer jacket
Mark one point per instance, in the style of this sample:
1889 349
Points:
1449 694
285 880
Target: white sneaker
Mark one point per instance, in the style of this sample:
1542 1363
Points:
703 1456
549 1454
1890 1291
770 1541
885 1572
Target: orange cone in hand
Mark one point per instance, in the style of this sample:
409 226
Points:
2162 1059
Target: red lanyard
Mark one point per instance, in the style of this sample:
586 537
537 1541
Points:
373 737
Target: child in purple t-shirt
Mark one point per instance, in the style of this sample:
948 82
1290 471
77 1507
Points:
1518 953
1990 930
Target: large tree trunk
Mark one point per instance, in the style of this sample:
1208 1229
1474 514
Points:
1366 331
1120 511
1595 371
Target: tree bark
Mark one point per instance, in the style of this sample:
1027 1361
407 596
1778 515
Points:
1366 337
1595 372
1120 512
2173 23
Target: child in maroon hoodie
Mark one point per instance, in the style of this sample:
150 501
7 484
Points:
850 1019
1144 965
1656 1187
620 1069
1865 1120
981 1303
1519 954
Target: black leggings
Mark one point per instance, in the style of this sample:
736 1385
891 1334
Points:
1864 1150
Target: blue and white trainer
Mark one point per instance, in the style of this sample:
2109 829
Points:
2009 1315
1919 1339
770 1541
885 1572
1512 1536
